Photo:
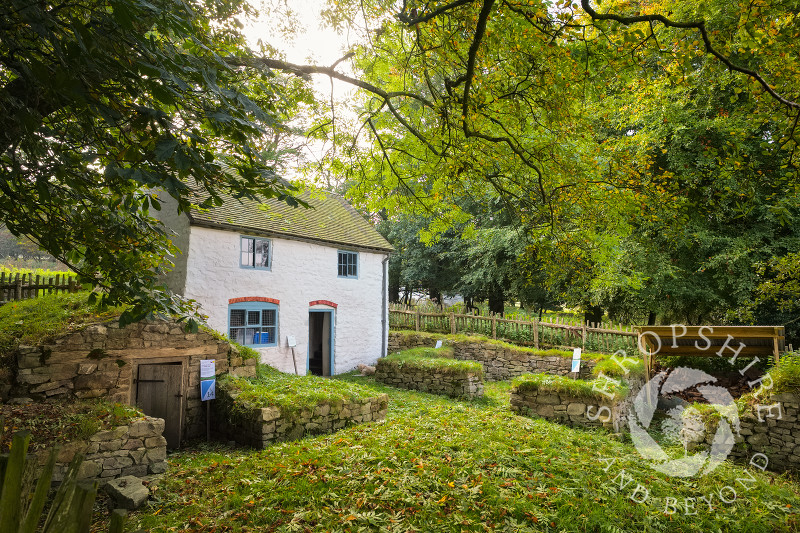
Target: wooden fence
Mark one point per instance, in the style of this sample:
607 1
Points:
561 333
23 286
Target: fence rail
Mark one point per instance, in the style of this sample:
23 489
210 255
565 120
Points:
14 287
561 333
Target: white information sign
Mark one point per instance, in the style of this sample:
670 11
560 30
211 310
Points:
207 368
576 360
438 344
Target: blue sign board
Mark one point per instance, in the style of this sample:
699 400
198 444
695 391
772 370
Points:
208 389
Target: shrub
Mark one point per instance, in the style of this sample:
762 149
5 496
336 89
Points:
786 374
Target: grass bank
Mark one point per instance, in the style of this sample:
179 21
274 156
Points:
436 464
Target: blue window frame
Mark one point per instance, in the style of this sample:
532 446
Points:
348 264
256 252
253 323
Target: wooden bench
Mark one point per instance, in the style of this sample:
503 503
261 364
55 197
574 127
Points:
710 341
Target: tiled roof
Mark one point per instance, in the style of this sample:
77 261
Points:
330 220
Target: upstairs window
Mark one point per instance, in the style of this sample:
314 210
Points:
256 253
348 264
254 324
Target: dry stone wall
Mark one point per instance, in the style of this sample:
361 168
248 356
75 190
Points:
571 410
455 385
771 428
136 449
261 426
500 361
101 360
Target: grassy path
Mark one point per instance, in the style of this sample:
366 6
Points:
437 464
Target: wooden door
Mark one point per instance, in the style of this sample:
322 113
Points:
159 393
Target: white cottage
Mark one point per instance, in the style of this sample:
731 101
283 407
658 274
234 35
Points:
304 287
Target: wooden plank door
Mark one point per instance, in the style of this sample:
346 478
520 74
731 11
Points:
159 393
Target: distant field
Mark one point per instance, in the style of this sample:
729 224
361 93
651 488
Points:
43 272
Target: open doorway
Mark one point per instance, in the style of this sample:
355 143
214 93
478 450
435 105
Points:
320 342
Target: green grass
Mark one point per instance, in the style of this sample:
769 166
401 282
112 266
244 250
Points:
35 270
51 423
575 387
445 352
291 393
437 464
609 367
39 320
450 339
425 359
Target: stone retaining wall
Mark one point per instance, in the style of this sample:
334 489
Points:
101 361
136 449
456 385
570 410
260 427
500 362
770 427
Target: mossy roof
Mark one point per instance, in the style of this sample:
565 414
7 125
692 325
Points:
330 220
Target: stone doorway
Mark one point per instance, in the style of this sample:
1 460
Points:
160 394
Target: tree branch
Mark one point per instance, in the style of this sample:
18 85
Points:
700 26
307 70
480 30
414 20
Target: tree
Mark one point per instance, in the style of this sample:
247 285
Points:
637 143
104 102
482 260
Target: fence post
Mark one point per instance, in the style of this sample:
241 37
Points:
536 333
17 288
416 320
494 326
583 336
452 323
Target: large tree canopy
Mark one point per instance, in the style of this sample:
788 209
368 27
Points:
650 149
617 134
516 94
104 101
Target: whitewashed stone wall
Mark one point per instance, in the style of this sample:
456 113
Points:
301 273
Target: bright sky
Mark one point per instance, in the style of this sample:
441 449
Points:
310 44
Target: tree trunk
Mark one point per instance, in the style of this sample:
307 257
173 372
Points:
497 301
435 295
651 319
394 291
593 313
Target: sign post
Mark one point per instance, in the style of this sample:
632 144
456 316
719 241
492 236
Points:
208 389
576 360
